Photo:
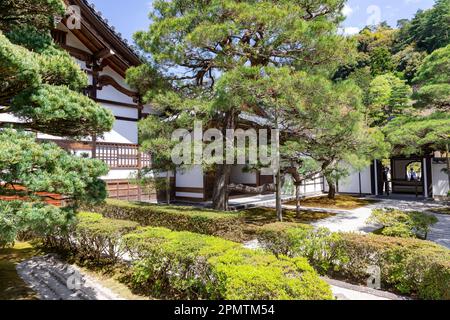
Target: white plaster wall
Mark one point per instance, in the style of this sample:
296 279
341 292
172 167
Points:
190 195
90 79
6 117
238 176
351 183
148 109
119 174
440 180
310 189
119 111
123 132
50 137
192 178
110 72
112 94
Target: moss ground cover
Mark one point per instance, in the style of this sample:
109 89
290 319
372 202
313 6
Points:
340 202
12 287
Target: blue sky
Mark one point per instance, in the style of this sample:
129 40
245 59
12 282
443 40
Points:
132 15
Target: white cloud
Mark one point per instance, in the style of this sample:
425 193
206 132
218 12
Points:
347 10
348 31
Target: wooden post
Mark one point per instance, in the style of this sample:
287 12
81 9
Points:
425 177
360 184
376 177
448 162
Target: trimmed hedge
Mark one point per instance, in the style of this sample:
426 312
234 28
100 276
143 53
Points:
209 222
185 265
94 237
408 266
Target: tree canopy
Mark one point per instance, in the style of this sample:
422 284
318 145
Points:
42 86
428 30
199 48
433 79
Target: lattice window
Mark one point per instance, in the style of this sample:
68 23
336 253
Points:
122 156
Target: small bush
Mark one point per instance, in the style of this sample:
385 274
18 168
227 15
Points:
94 237
275 237
408 266
209 222
321 247
403 224
184 265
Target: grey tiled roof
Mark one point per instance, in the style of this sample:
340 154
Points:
111 28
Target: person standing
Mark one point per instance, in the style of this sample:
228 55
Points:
386 181
413 175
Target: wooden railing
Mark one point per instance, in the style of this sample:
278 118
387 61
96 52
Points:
122 156
115 155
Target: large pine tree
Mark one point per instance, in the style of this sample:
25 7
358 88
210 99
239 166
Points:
193 43
41 85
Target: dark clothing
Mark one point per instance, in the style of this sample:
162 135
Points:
386 182
387 187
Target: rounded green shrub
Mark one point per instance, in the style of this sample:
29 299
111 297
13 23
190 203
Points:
397 223
185 265
94 237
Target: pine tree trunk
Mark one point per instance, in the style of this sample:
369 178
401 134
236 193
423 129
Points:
168 187
331 189
278 197
223 172
448 162
298 193
220 192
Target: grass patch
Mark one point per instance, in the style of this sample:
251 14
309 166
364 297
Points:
258 217
12 287
263 216
340 202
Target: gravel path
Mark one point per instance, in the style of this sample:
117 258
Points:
346 291
53 279
356 220
440 232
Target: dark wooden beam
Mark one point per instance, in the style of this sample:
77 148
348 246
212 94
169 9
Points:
117 103
105 80
78 53
104 53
